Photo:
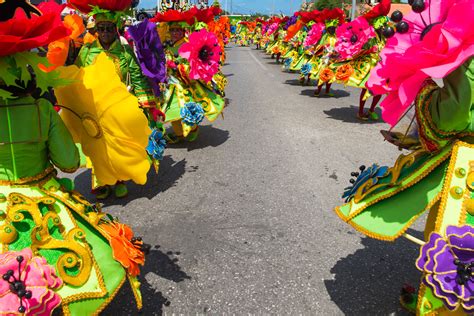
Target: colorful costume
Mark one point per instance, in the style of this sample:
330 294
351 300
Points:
135 127
321 60
438 175
56 249
195 85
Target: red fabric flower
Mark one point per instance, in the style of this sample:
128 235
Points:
332 14
307 17
381 9
206 15
175 16
21 34
85 6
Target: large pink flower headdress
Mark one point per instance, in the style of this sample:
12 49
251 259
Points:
203 53
432 41
351 37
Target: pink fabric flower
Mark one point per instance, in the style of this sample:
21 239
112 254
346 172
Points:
203 53
314 35
35 277
272 28
352 36
426 51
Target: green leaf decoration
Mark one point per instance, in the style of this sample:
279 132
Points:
5 95
14 67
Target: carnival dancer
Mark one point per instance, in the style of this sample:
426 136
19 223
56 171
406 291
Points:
278 31
108 16
377 17
258 33
292 40
273 35
358 46
311 38
57 251
320 69
437 176
195 86
244 31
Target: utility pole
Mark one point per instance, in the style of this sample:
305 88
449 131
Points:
353 10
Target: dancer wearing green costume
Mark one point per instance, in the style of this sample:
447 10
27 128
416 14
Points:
187 101
40 211
437 176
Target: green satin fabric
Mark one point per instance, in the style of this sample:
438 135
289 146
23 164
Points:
452 107
33 138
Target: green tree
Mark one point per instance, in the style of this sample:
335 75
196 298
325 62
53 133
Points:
328 4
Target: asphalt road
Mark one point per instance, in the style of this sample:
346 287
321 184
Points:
242 220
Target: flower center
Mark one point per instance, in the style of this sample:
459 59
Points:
427 29
464 271
204 53
17 286
354 39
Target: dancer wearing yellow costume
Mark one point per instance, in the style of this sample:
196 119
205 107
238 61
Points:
129 72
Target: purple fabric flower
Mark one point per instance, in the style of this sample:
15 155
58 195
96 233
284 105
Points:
290 22
448 266
150 53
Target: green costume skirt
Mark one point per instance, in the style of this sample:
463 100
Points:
60 225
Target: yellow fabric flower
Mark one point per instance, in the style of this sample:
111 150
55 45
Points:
106 120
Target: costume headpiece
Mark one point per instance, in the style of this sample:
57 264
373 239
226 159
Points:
381 9
307 17
332 17
175 17
377 16
102 10
24 26
206 15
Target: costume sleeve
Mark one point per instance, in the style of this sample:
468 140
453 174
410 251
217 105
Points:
447 113
141 87
63 152
82 55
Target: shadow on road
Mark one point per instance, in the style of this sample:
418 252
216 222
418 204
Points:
294 82
337 93
348 114
209 136
160 264
368 282
170 172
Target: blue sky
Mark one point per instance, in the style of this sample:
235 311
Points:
249 6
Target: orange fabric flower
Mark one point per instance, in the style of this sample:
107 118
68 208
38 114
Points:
59 50
89 38
293 30
125 248
344 72
326 75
